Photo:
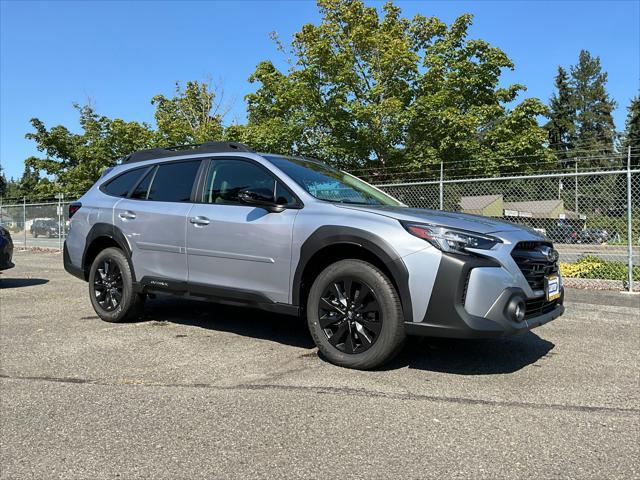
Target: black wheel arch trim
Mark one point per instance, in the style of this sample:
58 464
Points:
329 235
102 230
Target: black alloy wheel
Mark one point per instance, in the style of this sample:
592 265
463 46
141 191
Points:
350 315
108 285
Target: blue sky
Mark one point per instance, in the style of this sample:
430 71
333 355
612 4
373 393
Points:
119 54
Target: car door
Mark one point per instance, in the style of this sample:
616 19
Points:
240 248
153 218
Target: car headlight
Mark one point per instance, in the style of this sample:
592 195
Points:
449 239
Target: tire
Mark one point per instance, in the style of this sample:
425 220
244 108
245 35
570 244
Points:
349 331
35 235
111 287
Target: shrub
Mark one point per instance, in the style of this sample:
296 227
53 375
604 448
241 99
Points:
591 266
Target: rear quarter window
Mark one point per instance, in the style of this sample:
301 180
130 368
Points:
123 183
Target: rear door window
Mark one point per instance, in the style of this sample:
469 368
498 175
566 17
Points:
173 182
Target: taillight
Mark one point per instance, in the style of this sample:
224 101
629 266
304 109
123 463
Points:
73 208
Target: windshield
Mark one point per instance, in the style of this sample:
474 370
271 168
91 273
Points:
326 183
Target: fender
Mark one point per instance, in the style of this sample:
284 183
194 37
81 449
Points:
112 232
337 234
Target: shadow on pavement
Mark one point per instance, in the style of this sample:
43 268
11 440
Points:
21 282
461 357
239 320
472 357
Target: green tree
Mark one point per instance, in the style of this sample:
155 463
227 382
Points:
72 162
380 91
632 132
562 118
3 183
595 133
75 160
9 188
31 184
191 116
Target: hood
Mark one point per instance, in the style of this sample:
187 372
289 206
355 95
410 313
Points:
463 221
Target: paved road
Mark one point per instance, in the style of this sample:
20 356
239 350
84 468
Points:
41 242
202 391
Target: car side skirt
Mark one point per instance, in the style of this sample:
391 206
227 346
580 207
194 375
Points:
216 294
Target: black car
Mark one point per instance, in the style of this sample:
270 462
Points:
45 228
563 233
594 236
6 249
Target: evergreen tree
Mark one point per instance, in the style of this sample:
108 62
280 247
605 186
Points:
3 183
561 127
632 132
595 133
29 181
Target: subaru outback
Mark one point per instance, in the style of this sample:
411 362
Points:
296 236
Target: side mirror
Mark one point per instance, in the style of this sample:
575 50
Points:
260 197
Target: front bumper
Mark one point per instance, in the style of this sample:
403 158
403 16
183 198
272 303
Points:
446 315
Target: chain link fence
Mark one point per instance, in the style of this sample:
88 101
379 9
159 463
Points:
36 225
593 218
588 215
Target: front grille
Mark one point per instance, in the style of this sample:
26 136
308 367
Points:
539 306
533 263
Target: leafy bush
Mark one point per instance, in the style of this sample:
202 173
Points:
591 266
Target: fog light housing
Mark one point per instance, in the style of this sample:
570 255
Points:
516 309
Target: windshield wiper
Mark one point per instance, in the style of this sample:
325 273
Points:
352 202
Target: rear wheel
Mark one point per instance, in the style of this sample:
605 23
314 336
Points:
355 315
111 287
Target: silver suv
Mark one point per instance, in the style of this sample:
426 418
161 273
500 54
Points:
295 236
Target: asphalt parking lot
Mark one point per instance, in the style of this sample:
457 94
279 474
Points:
197 390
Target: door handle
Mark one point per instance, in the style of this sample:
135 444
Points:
202 221
127 215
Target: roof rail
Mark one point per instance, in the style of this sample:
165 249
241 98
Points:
206 147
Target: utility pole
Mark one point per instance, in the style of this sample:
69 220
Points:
60 196
24 219
576 185
441 184
629 232
560 186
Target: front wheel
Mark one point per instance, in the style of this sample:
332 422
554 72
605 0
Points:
355 315
111 287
